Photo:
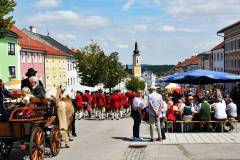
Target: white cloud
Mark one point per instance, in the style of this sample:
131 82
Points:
66 36
167 29
67 17
205 46
122 46
140 27
47 3
156 1
127 5
202 8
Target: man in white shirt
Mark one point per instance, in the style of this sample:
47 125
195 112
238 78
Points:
154 110
219 110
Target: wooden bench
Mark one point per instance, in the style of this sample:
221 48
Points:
222 123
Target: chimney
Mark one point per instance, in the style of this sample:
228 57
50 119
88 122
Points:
33 29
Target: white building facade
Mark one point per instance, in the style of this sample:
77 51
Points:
218 58
150 78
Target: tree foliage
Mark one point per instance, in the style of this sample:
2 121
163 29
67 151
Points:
97 68
92 64
135 84
6 21
115 71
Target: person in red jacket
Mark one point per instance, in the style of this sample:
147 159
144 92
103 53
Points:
87 98
100 104
115 104
93 103
79 105
121 96
125 104
108 107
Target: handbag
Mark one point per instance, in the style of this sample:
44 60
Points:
146 117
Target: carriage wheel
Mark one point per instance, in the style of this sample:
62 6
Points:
55 140
5 149
37 144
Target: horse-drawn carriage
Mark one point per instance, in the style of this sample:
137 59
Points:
31 127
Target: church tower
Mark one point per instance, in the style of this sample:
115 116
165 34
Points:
136 62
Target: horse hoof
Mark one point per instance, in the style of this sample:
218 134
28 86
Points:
67 146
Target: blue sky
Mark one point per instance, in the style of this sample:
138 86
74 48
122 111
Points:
167 31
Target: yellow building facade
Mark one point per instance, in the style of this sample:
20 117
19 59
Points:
55 71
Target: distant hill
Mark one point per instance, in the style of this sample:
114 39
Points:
156 69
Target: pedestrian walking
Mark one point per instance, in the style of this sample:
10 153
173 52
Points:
87 98
154 110
79 105
100 104
115 105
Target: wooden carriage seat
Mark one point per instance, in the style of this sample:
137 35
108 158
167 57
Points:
39 100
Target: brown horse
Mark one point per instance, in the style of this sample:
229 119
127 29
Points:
65 111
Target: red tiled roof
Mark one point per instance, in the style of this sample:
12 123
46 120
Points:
219 46
191 61
187 62
28 43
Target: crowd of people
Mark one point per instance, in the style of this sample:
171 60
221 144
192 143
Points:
113 105
201 105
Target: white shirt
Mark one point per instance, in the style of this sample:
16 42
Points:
156 99
138 103
220 110
232 109
164 109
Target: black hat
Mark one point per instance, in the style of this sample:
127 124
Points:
31 72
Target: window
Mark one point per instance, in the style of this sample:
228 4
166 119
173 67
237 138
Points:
11 48
12 71
35 58
39 58
238 44
23 57
29 58
221 56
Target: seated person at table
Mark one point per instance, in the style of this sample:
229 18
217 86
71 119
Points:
187 111
205 110
219 108
231 109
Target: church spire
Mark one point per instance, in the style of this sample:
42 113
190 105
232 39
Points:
136 51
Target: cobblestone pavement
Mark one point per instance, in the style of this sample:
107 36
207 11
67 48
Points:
110 140
185 146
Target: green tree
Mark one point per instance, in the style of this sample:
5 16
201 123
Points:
115 71
92 64
135 84
6 21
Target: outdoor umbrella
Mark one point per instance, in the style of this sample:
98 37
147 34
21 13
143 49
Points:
202 77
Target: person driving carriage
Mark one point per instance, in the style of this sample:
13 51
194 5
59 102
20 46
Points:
3 93
26 82
37 90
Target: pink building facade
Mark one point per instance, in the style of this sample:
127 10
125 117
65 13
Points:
32 55
32 59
